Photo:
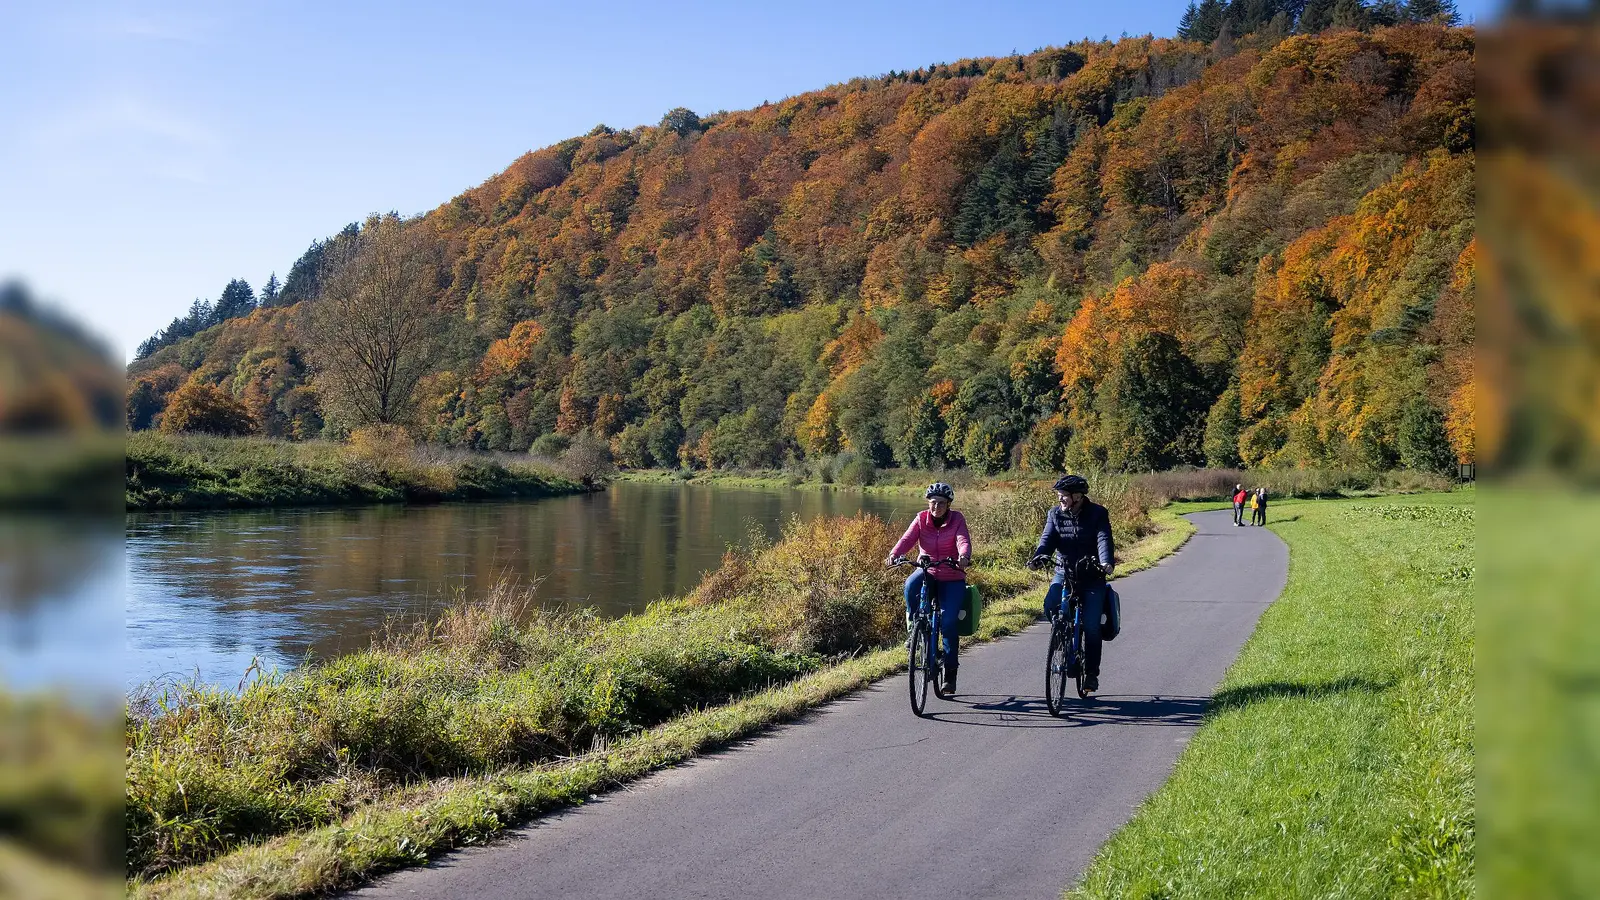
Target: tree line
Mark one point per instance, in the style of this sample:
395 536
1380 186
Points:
1126 255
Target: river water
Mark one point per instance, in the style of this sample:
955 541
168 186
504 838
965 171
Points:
209 593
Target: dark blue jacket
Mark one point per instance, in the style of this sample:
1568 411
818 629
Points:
1075 537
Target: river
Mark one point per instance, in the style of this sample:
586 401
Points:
209 593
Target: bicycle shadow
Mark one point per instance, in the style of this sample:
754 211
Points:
1021 711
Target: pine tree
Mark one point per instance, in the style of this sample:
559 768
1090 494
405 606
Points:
270 290
201 316
1441 11
1315 16
1351 14
1186 24
305 276
1208 21
1386 12
237 300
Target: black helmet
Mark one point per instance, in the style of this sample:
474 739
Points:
1072 484
940 489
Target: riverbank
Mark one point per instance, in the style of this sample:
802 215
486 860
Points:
1337 756
341 771
1155 488
204 472
60 472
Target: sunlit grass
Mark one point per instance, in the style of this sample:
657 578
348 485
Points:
1539 694
1337 756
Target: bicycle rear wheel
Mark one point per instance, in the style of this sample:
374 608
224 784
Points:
1055 670
920 664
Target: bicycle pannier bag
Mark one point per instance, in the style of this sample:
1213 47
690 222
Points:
971 609
1111 621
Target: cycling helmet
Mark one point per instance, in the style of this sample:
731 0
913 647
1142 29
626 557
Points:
940 489
1072 484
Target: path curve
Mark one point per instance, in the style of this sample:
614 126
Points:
991 797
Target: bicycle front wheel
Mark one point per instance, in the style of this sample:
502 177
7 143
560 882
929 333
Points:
1080 665
1055 671
920 664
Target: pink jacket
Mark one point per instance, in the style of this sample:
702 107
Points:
950 540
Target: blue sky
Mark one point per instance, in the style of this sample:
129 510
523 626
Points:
149 152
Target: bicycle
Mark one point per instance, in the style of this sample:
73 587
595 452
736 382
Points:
1065 657
926 658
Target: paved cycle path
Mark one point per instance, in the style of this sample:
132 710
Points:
991 797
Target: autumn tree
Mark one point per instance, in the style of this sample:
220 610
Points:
202 407
370 333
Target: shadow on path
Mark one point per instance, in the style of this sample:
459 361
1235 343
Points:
1017 711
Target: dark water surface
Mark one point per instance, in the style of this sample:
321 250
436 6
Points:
209 592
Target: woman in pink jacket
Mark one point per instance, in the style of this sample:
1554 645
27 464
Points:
941 532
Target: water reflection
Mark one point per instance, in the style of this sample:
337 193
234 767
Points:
61 590
210 592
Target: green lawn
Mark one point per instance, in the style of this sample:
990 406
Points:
1337 758
1539 702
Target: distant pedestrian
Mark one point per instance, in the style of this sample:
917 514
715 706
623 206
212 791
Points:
1258 507
1238 504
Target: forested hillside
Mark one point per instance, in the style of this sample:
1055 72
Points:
1124 255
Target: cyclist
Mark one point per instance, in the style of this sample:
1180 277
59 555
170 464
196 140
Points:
941 532
1078 528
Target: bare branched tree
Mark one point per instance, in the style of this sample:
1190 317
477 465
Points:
370 335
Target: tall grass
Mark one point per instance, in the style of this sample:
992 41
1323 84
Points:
201 471
60 780
494 682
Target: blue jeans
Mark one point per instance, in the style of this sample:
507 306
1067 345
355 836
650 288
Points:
950 595
1094 607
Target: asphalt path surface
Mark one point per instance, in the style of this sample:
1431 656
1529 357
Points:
990 797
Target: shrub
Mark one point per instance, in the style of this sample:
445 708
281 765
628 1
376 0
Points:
587 460
202 407
550 446
857 469
387 447
821 588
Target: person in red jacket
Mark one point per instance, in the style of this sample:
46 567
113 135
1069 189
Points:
1239 495
941 532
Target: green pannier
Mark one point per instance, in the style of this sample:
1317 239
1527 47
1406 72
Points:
971 609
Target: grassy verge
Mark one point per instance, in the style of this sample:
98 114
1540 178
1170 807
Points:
200 472
1337 756
331 775
60 798
60 472
1539 701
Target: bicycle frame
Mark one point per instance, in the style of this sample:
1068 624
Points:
1066 632
925 621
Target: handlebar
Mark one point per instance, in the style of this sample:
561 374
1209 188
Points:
925 566
1087 562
